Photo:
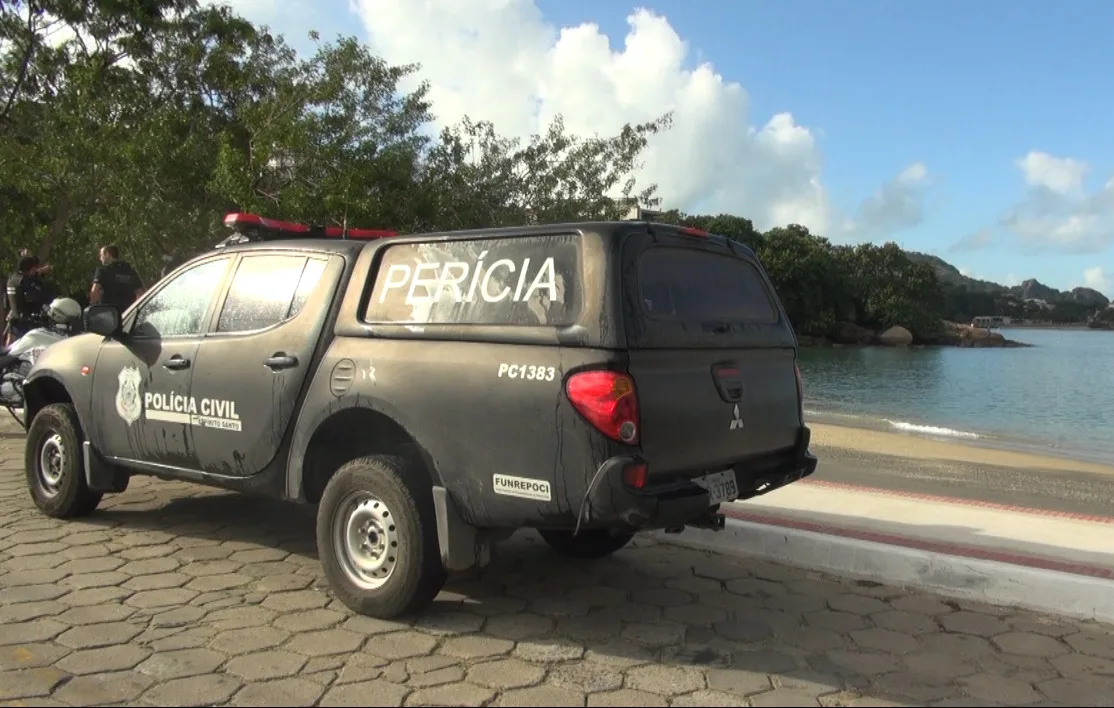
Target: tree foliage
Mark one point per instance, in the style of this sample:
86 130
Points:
825 286
142 122
1103 319
964 303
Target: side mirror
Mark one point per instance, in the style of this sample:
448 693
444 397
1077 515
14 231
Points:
101 319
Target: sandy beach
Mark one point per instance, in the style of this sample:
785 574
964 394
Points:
920 448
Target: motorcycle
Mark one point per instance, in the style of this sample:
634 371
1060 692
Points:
57 322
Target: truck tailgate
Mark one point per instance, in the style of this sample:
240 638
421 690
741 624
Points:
703 410
711 353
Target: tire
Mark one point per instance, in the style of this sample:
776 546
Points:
588 544
54 464
399 569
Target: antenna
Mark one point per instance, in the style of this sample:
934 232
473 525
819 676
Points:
347 191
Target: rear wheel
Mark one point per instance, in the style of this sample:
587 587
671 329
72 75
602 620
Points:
588 544
377 537
54 466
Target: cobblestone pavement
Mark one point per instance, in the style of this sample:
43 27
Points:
174 594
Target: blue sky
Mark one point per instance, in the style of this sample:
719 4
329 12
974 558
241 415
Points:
964 89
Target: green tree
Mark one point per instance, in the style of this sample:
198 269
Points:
736 228
474 177
154 118
98 141
733 227
808 279
324 139
1103 319
890 289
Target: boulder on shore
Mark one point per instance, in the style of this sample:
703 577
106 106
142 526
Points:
896 336
958 335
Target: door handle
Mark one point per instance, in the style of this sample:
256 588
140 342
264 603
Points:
280 361
176 362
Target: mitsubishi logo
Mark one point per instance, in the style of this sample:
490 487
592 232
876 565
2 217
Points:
737 421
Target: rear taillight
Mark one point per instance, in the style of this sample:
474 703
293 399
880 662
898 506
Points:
608 401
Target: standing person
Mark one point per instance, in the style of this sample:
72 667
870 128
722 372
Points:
115 282
28 293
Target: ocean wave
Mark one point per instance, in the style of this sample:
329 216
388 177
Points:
906 427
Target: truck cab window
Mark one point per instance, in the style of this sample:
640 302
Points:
178 308
262 292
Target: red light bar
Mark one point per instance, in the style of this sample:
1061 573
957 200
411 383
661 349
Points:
241 222
693 231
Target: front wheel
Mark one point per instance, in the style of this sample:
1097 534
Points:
377 537
588 544
53 464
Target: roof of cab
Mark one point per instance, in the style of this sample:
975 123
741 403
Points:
266 233
597 226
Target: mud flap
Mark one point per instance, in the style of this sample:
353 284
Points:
463 546
100 476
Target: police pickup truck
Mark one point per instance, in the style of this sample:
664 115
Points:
432 393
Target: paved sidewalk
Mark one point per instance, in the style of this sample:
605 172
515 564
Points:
1077 542
178 595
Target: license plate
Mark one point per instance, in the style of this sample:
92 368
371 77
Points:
721 486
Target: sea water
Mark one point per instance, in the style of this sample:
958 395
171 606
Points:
1056 397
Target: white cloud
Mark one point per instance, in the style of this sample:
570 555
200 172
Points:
1062 175
965 271
973 242
899 203
1078 222
1057 213
500 60
1097 279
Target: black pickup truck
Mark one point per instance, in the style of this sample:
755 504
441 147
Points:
432 393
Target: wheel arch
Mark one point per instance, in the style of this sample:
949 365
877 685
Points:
349 429
42 391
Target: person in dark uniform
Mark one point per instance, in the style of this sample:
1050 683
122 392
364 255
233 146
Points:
28 293
115 282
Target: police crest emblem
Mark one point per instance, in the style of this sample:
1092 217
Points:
128 403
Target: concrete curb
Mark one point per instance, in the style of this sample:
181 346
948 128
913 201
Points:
992 582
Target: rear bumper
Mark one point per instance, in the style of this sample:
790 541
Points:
681 502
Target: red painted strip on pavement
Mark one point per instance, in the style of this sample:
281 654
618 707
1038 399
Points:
940 499
920 545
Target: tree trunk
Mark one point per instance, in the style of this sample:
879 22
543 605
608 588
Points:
57 229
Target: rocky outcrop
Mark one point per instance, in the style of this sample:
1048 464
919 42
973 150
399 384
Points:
1033 289
896 336
958 335
953 335
1089 297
